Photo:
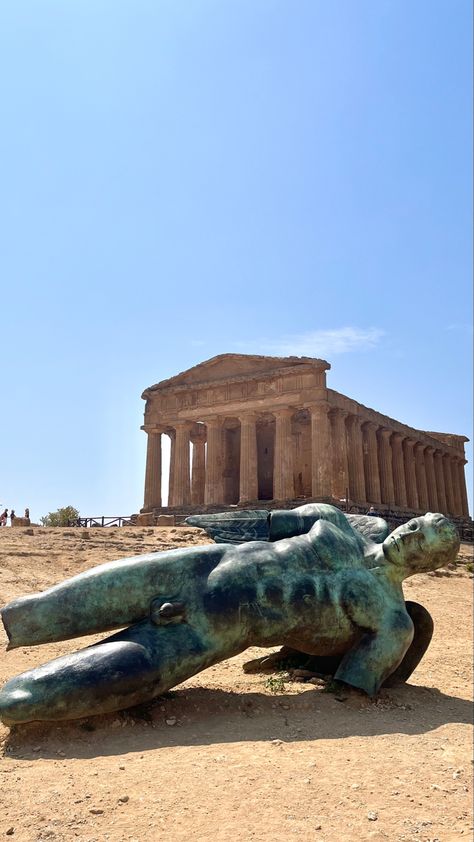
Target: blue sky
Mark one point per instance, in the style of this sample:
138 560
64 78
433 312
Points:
182 179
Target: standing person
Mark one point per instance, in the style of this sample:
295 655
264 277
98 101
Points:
3 518
12 517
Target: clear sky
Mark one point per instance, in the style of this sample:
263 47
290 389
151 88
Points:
194 177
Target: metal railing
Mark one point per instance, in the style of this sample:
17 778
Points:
103 521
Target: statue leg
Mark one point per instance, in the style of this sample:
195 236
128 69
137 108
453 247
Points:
128 668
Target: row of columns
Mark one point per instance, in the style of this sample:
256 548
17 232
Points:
205 485
374 464
380 466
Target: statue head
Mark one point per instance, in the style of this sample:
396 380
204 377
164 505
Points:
422 544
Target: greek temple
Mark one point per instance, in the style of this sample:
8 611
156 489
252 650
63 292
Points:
245 429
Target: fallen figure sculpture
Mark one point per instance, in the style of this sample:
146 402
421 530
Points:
241 526
322 588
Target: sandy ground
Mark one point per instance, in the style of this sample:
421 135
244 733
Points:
230 756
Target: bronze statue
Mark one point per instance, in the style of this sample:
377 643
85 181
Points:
329 592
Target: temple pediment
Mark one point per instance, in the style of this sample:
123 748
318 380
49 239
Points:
229 366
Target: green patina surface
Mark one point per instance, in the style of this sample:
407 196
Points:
317 585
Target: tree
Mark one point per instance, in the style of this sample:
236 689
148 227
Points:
61 517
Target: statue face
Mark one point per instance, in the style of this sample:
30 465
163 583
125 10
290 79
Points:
423 543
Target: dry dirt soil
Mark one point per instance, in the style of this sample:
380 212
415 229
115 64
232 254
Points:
230 756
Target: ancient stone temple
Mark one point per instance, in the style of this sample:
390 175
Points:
245 429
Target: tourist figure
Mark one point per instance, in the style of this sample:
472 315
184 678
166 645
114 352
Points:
27 513
12 517
373 512
326 592
3 518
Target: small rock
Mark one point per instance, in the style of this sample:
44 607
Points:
96 812
171 720
372 817
36 748
277 742
300 673
123 799
121 768
11 830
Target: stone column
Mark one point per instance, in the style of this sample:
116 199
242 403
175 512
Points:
198 468
357 491
398 466
248 458
171 497
214 491
371 462
431 479
386 471
321 483
440 485
410 474
283 470
421 477
182 486
448 483
456 488
340 464
153 470
462 486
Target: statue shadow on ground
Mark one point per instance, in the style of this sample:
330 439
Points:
207 716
